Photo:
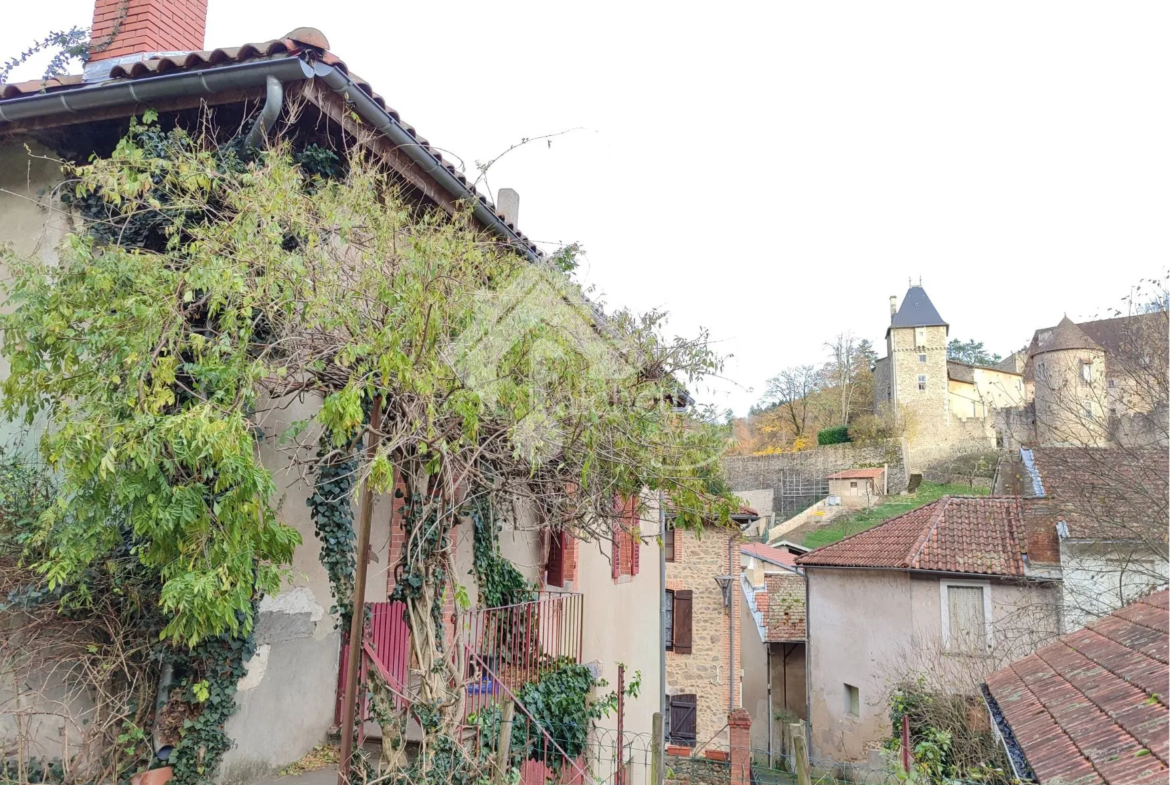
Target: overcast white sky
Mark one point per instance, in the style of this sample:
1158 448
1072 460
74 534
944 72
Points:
775 171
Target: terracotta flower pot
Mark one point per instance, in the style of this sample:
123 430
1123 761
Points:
717 755
678 750
152 777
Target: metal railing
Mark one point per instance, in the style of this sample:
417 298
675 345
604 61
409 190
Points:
516 644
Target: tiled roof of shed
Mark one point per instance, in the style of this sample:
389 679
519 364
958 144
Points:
856 474
304 42
769 554
1091 708
979 535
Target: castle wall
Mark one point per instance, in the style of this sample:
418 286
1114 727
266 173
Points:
1070 410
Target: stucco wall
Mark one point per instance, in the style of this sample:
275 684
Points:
866 627
1099 578
754 661
705 672
623 621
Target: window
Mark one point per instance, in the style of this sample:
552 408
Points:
920 336
668 541
1041 372
853 483
1086 372
922 358
921 382
1088 405
679 615
555 568
966 615
852 701
680 726
668 625
1112 383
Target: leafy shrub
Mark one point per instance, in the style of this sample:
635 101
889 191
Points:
838 434
873 428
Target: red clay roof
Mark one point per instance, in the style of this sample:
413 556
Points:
770 554
856 474
1106 493
981 535
1091 707
304 42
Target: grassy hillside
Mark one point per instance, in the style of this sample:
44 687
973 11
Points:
853 523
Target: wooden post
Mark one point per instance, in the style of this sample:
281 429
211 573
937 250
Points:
504 745
906 743
657 772
359 602
619 772
800 754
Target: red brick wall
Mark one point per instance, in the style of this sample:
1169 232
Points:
147 26
785 613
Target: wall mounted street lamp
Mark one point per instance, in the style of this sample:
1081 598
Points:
724 582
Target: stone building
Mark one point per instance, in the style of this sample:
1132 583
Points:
946 407
703 656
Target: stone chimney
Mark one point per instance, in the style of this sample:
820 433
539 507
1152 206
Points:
130 30
893 307
508 205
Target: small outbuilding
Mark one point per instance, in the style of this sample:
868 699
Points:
858 487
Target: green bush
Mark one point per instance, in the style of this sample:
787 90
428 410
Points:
836 435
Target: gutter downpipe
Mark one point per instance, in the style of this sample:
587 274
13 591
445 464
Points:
273 103
144 91
378 117
662 631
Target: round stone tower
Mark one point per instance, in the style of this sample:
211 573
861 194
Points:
1068 370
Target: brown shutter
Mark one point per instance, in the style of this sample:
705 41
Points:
555 572
683 720
682 621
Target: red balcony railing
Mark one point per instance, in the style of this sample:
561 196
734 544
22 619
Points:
516 644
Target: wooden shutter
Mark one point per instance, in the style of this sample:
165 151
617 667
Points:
683 719
617 551
682 621
668 542
555 571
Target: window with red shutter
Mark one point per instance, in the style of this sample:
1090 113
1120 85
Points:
555 569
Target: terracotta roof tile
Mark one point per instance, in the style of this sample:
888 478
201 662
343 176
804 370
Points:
856 474
770 554
1101 493
1091 707
302 42
962 534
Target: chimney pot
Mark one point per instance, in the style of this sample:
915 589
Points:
893 307
508 205
131 30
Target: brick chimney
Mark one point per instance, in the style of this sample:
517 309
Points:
129 30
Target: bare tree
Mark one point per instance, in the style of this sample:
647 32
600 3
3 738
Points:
790 391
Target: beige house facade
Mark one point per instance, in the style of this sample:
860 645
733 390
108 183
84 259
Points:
941 591
285 705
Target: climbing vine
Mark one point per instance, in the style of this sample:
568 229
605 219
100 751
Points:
500 583
331 508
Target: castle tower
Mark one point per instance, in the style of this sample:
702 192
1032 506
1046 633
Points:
916 351
1068 371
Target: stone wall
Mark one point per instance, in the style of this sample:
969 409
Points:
750 472
697 771
928 411
704 672
786 614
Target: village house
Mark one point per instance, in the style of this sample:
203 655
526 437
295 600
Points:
951 583
1108 507
1090 707
287 702
704 661
772 639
